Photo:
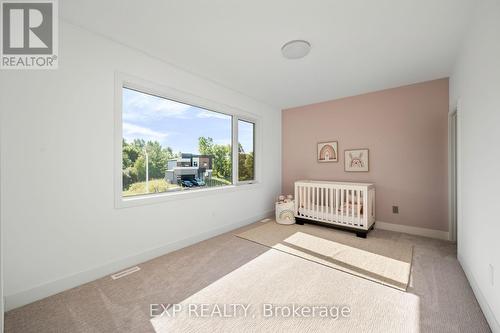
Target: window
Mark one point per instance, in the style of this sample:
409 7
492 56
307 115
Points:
245 151
168 146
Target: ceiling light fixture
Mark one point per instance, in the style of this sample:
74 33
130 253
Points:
295 49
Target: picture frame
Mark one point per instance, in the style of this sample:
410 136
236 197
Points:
357 160
327 152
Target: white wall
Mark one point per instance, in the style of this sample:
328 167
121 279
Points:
60 224
476 83
1 249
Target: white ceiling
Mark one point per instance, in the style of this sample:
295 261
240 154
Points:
357 45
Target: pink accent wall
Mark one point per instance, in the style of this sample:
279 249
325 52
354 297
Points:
406 131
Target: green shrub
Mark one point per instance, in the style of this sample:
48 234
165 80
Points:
155 186
129 176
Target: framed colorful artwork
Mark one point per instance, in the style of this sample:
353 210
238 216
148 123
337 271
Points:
328 152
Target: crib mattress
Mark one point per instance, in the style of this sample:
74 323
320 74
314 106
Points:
323 214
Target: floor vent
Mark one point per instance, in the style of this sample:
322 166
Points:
125 272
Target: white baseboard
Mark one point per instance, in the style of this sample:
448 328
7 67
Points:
439 234
47 289
483 303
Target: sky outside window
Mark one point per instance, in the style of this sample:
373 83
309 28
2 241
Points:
175 125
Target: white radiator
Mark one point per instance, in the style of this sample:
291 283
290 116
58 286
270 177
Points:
344 204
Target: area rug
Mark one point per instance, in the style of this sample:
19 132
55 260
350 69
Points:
384 261
280 292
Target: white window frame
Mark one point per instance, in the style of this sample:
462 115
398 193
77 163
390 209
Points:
236 158
128 81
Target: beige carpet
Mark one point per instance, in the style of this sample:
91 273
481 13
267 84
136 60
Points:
283 280
381 260
446 301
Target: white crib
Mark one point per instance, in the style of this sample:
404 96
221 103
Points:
341 204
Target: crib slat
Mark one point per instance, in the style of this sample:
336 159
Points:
322 203
366 209
304 200
296 204
347 207
319 203
352 206
309 202
311 212
359 208
295 188
325 206
337 199
337 204
339 219
342 205
350 211
330 196
328 206
316 200
325 215
325 203
353 209
303 193
346 214
315 191
351 220
298 200
346 211
321 198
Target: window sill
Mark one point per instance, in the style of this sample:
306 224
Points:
150 199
